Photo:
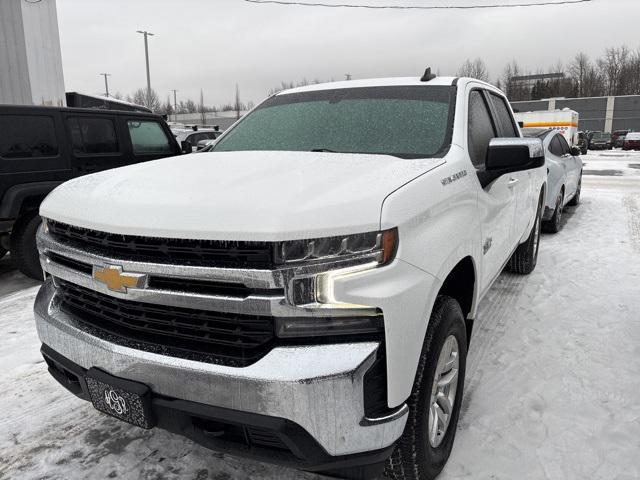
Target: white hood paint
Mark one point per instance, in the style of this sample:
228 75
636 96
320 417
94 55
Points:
249 195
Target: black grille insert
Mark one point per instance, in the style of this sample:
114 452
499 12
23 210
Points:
211 253
214 337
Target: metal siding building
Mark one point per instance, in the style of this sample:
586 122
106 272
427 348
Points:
30 57
596 113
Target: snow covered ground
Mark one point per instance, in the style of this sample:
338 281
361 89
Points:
552 384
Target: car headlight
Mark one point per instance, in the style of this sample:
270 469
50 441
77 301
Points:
321 261
380 246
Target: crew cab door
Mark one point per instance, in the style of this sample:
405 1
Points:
519 182
497 200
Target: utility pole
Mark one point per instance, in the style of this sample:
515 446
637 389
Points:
106 83
175 105
146 56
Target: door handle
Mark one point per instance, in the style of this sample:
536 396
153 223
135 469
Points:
512 182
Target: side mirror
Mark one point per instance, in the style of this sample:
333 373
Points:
514 154
186 146
575 151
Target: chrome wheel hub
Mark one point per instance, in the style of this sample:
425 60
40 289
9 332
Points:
443 391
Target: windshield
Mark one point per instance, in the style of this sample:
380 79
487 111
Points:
602 136
405 121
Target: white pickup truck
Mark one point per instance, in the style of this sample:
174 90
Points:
305 293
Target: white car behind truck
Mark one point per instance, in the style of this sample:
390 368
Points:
304 293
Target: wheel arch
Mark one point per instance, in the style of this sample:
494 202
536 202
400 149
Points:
461 284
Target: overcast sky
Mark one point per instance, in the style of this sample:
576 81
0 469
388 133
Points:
212 44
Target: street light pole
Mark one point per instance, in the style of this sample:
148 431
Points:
106 83
146 56
175 106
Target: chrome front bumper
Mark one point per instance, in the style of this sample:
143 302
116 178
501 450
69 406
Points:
318 387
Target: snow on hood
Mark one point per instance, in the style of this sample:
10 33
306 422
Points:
246 195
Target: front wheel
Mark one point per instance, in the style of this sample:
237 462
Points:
434 404
24 251
525 257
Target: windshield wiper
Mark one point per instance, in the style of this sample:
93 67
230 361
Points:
324 150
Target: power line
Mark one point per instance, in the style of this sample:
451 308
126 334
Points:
415 7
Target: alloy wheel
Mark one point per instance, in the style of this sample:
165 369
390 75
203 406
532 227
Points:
443 391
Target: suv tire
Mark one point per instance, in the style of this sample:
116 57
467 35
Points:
24 252
525 257
554 225
417 456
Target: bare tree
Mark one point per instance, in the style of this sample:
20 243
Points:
612 65
140 98
474 69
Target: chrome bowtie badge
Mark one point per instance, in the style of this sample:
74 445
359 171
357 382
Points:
117 280
116 402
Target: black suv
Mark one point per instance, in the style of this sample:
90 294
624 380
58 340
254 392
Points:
42 147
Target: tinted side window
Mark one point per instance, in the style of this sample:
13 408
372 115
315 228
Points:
92 135
555 146
505 121
147 136
27 136
481 129
563 144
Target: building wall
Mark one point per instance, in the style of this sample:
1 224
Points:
596 113
30 56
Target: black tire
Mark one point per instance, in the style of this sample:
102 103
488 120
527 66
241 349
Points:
24 252
414 457
575 200
554 224
524 259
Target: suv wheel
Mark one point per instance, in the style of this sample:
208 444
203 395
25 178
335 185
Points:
525 257
434 404
24 252
555 223
575 200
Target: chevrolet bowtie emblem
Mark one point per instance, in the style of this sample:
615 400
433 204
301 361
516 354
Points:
117 280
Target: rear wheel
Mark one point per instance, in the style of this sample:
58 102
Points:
575 200
434 404
525 257
24 252
555 223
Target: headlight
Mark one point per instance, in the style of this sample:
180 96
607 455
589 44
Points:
378 246
332 258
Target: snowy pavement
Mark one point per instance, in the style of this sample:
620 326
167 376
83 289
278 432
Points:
552 380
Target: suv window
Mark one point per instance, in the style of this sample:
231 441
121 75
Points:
555 146
91 135
504 119
481 129
27 136
148 136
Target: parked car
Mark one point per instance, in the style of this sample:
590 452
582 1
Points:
194 137
616 134
619 141
41 147
601 141
632 141
564 182
304 293
583 142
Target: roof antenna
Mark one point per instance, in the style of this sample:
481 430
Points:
427 75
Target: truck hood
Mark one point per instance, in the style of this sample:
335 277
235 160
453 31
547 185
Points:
250 195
